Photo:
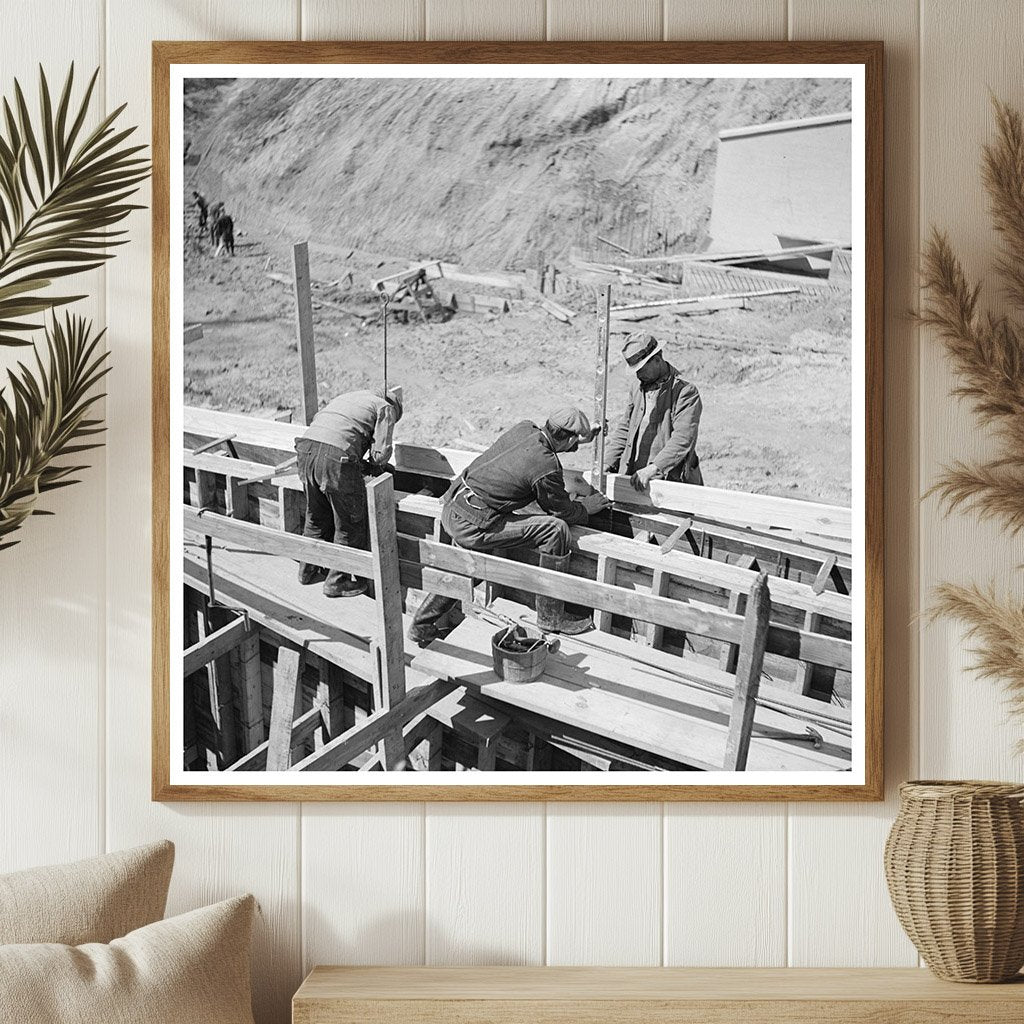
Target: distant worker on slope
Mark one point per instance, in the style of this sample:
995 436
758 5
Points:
656 437
521 467
351 435
199 201
223 233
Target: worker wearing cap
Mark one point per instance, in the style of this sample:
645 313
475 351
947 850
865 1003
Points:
521 467
350 436
656 437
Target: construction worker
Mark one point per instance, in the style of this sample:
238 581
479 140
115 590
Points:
223 234
350 436
199 201
215 211
656 437
521 467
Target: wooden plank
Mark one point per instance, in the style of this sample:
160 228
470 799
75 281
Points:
380 496
655 634
709 622
736 506
207 445
748 675
605 995
304 331
601 390
215 645
375 728
302 729
206 489
683 301
193 332
245 674
606 570
293 504
275 542
284 708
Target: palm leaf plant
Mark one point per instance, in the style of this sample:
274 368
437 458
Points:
63 191
986 350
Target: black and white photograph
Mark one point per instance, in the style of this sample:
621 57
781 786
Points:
521 413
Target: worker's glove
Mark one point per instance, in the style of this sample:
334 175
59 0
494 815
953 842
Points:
595 433
642 477
595 503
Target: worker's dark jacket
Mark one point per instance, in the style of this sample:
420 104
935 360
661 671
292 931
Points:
519 468
669 439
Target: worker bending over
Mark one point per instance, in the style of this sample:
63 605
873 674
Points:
656 437
350 436
521 467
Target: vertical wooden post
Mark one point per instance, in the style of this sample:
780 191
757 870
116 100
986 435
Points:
291 504
606 572
304 331
287 674
236 498
748 675
601 390
390 641
245 674
659 588
542 270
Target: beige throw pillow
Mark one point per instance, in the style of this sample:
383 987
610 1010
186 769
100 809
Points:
191 969
93 900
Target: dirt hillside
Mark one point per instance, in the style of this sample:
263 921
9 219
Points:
484 171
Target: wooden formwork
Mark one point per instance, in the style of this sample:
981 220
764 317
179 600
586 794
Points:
452 723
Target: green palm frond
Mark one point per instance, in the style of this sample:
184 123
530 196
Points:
62 191
46 417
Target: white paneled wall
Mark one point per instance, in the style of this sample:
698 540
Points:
743 884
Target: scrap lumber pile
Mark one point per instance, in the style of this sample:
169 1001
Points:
724 646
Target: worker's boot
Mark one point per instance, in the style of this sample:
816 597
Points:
552 616
425 629
309 574
341 584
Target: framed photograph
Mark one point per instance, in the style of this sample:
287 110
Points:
517 421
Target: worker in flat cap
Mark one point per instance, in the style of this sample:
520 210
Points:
656 437
349 438
521 467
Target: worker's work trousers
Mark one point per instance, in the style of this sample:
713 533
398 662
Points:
335 498
548 535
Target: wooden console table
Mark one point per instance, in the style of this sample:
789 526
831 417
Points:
644 995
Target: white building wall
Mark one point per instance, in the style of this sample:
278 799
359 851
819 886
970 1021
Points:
788 178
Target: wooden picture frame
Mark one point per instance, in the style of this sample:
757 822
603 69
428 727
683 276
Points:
453 569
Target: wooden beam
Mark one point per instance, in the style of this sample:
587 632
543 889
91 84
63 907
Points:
389 649
736 506
303 728
215 645
373 729
636 307
248 684
606 572
207 445
748 675
304 331
287 674
601 389
276 542
655 634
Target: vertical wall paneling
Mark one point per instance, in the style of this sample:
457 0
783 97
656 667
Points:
222 849
363 19
362 884
725 867
51 582
604 884
965 52
725 19
725 885
363 893
828 843
485 883
604 19
508 20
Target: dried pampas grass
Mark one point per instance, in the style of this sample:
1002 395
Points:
987 354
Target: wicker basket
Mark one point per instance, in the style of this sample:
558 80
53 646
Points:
954 861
